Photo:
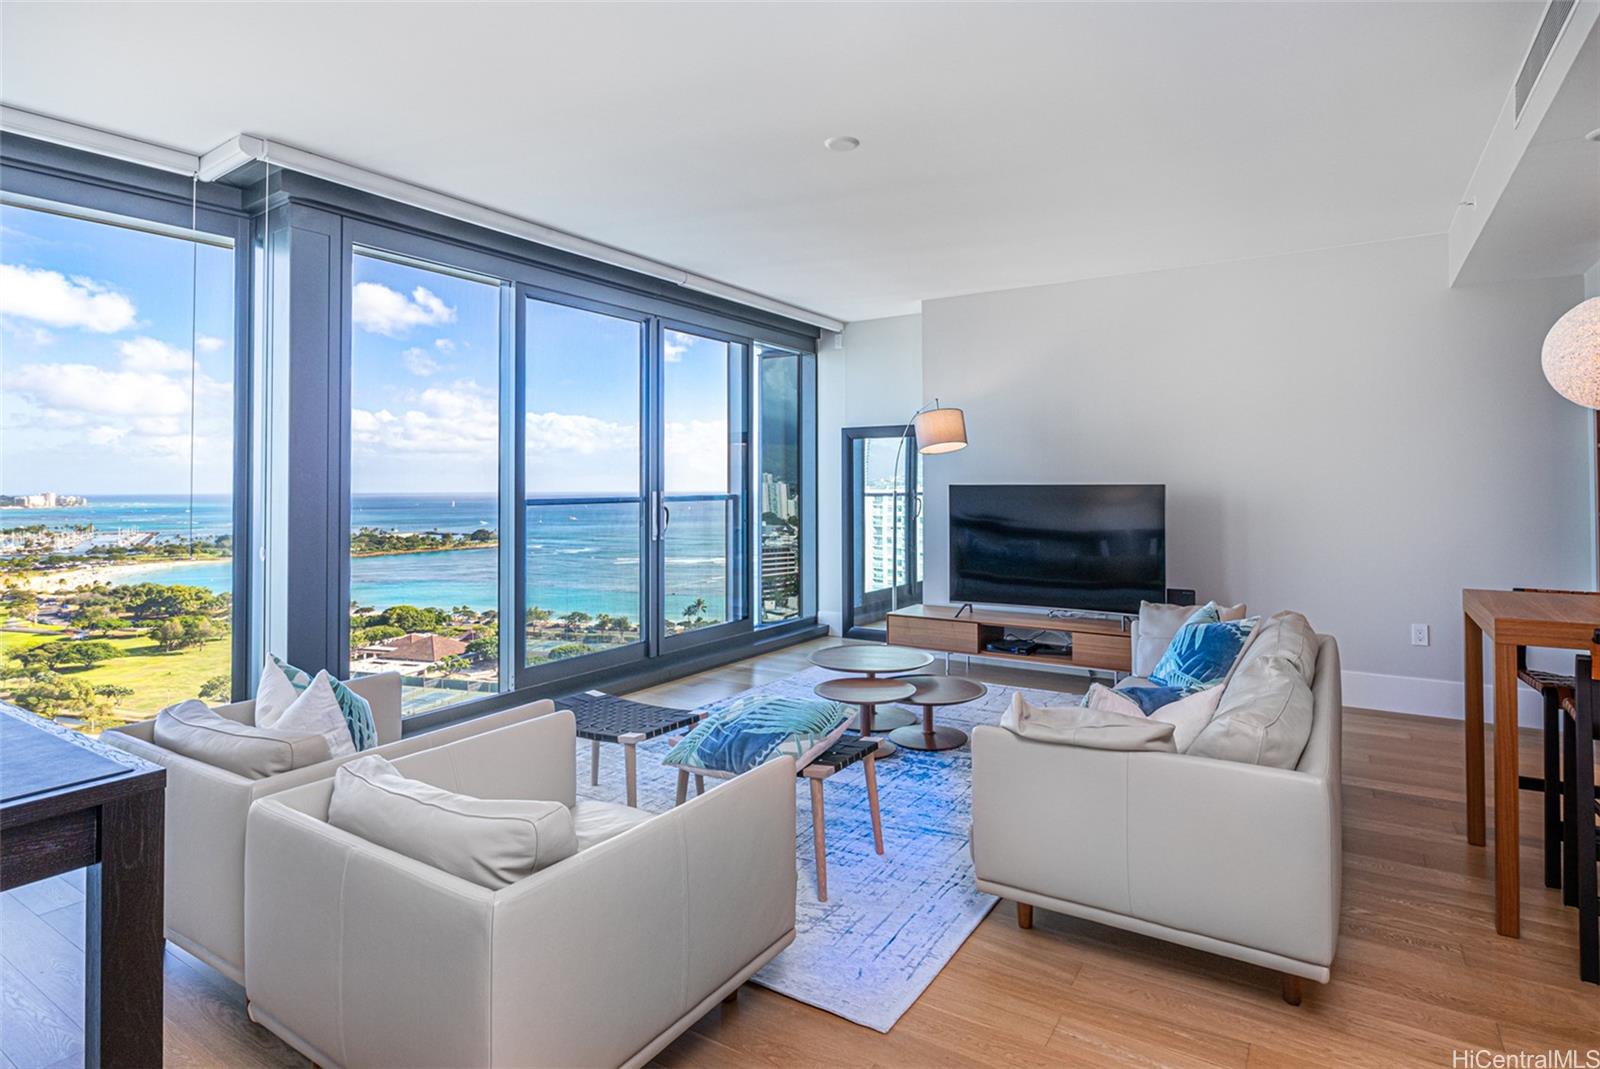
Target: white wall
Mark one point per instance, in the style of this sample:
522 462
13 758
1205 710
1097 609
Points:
874 378
1340 433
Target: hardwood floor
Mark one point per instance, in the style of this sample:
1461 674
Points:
1420 973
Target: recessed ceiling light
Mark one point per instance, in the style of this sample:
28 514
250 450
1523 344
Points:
1592 135
843 144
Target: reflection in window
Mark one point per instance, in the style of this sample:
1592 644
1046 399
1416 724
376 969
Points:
583 503
424 481
116 474
779 378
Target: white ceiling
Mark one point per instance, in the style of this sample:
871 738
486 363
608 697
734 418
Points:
1002 145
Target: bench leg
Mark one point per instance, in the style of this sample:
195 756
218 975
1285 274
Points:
630 756
871 767
594 762
820 840
699 785
683 786
1292 987
1024 915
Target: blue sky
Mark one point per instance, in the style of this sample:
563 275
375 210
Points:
95 344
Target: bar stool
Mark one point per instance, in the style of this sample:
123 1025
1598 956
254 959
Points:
1580 727
1553 689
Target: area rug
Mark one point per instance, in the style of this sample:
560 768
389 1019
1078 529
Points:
891 922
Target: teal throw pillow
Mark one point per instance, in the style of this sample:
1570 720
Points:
757 727
1202 652
356 709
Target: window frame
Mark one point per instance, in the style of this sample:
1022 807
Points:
61 180
851 517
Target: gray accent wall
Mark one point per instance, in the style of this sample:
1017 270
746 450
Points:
1341 433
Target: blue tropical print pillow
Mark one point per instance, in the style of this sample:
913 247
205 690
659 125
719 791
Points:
1201 653
356 709
755 728
1149 699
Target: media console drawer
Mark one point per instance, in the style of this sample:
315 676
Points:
1099 644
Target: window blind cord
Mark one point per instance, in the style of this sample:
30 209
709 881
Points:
194 339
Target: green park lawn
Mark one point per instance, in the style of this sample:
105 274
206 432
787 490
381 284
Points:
157 679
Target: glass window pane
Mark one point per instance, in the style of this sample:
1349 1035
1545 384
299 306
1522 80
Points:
116 476
701 483
424 481
584 509
779 372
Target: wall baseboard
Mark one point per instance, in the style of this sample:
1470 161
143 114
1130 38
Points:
1442 698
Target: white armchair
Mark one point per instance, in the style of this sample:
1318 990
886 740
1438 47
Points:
359 956
206 809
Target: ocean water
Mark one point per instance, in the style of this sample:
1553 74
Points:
582 557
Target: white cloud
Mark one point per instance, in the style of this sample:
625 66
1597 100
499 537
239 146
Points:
672 349
75 388
444 345
697 456
565 432
50 297
456 420
151 354
208 343
381 310
418 362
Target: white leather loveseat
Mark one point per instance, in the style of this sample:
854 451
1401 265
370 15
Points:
1237 859
360 956
206 808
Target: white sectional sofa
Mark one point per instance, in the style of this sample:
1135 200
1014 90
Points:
206 808
360 956
1236 859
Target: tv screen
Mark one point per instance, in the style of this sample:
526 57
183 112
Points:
1099 548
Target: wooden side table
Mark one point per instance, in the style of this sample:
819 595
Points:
931 691
868 693
873 661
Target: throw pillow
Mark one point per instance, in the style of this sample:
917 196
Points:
1158 623
1081 725
1202 653
316 712
1266 710
1189 715
755 728
282 682
1148 699
492 842
193 729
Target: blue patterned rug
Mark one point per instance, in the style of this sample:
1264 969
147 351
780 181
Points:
891 922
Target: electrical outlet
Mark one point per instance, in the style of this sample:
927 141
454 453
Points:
1419 634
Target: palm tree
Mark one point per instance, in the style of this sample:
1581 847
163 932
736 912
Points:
694 613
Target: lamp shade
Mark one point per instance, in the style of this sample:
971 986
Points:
941 430
1571 358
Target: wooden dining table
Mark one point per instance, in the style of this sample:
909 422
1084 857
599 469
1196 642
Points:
1511 620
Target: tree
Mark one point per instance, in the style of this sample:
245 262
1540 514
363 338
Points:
409 618
51 695
22 604
486 647
86 654
217 688
576 619
694 613
538 615
98 621
454 664
569 649
113 692
180 632
367 636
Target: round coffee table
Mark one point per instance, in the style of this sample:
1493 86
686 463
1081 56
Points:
867 693
872 661
928 692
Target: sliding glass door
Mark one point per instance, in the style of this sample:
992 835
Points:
585 545
882 484
703 514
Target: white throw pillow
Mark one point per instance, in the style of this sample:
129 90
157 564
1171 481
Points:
1265 714
316 712
1189 715
194 730
1081 725
274 695
492 842
1159 623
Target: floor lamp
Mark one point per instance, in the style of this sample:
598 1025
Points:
938 430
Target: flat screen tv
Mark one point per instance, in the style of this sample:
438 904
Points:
1101 548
